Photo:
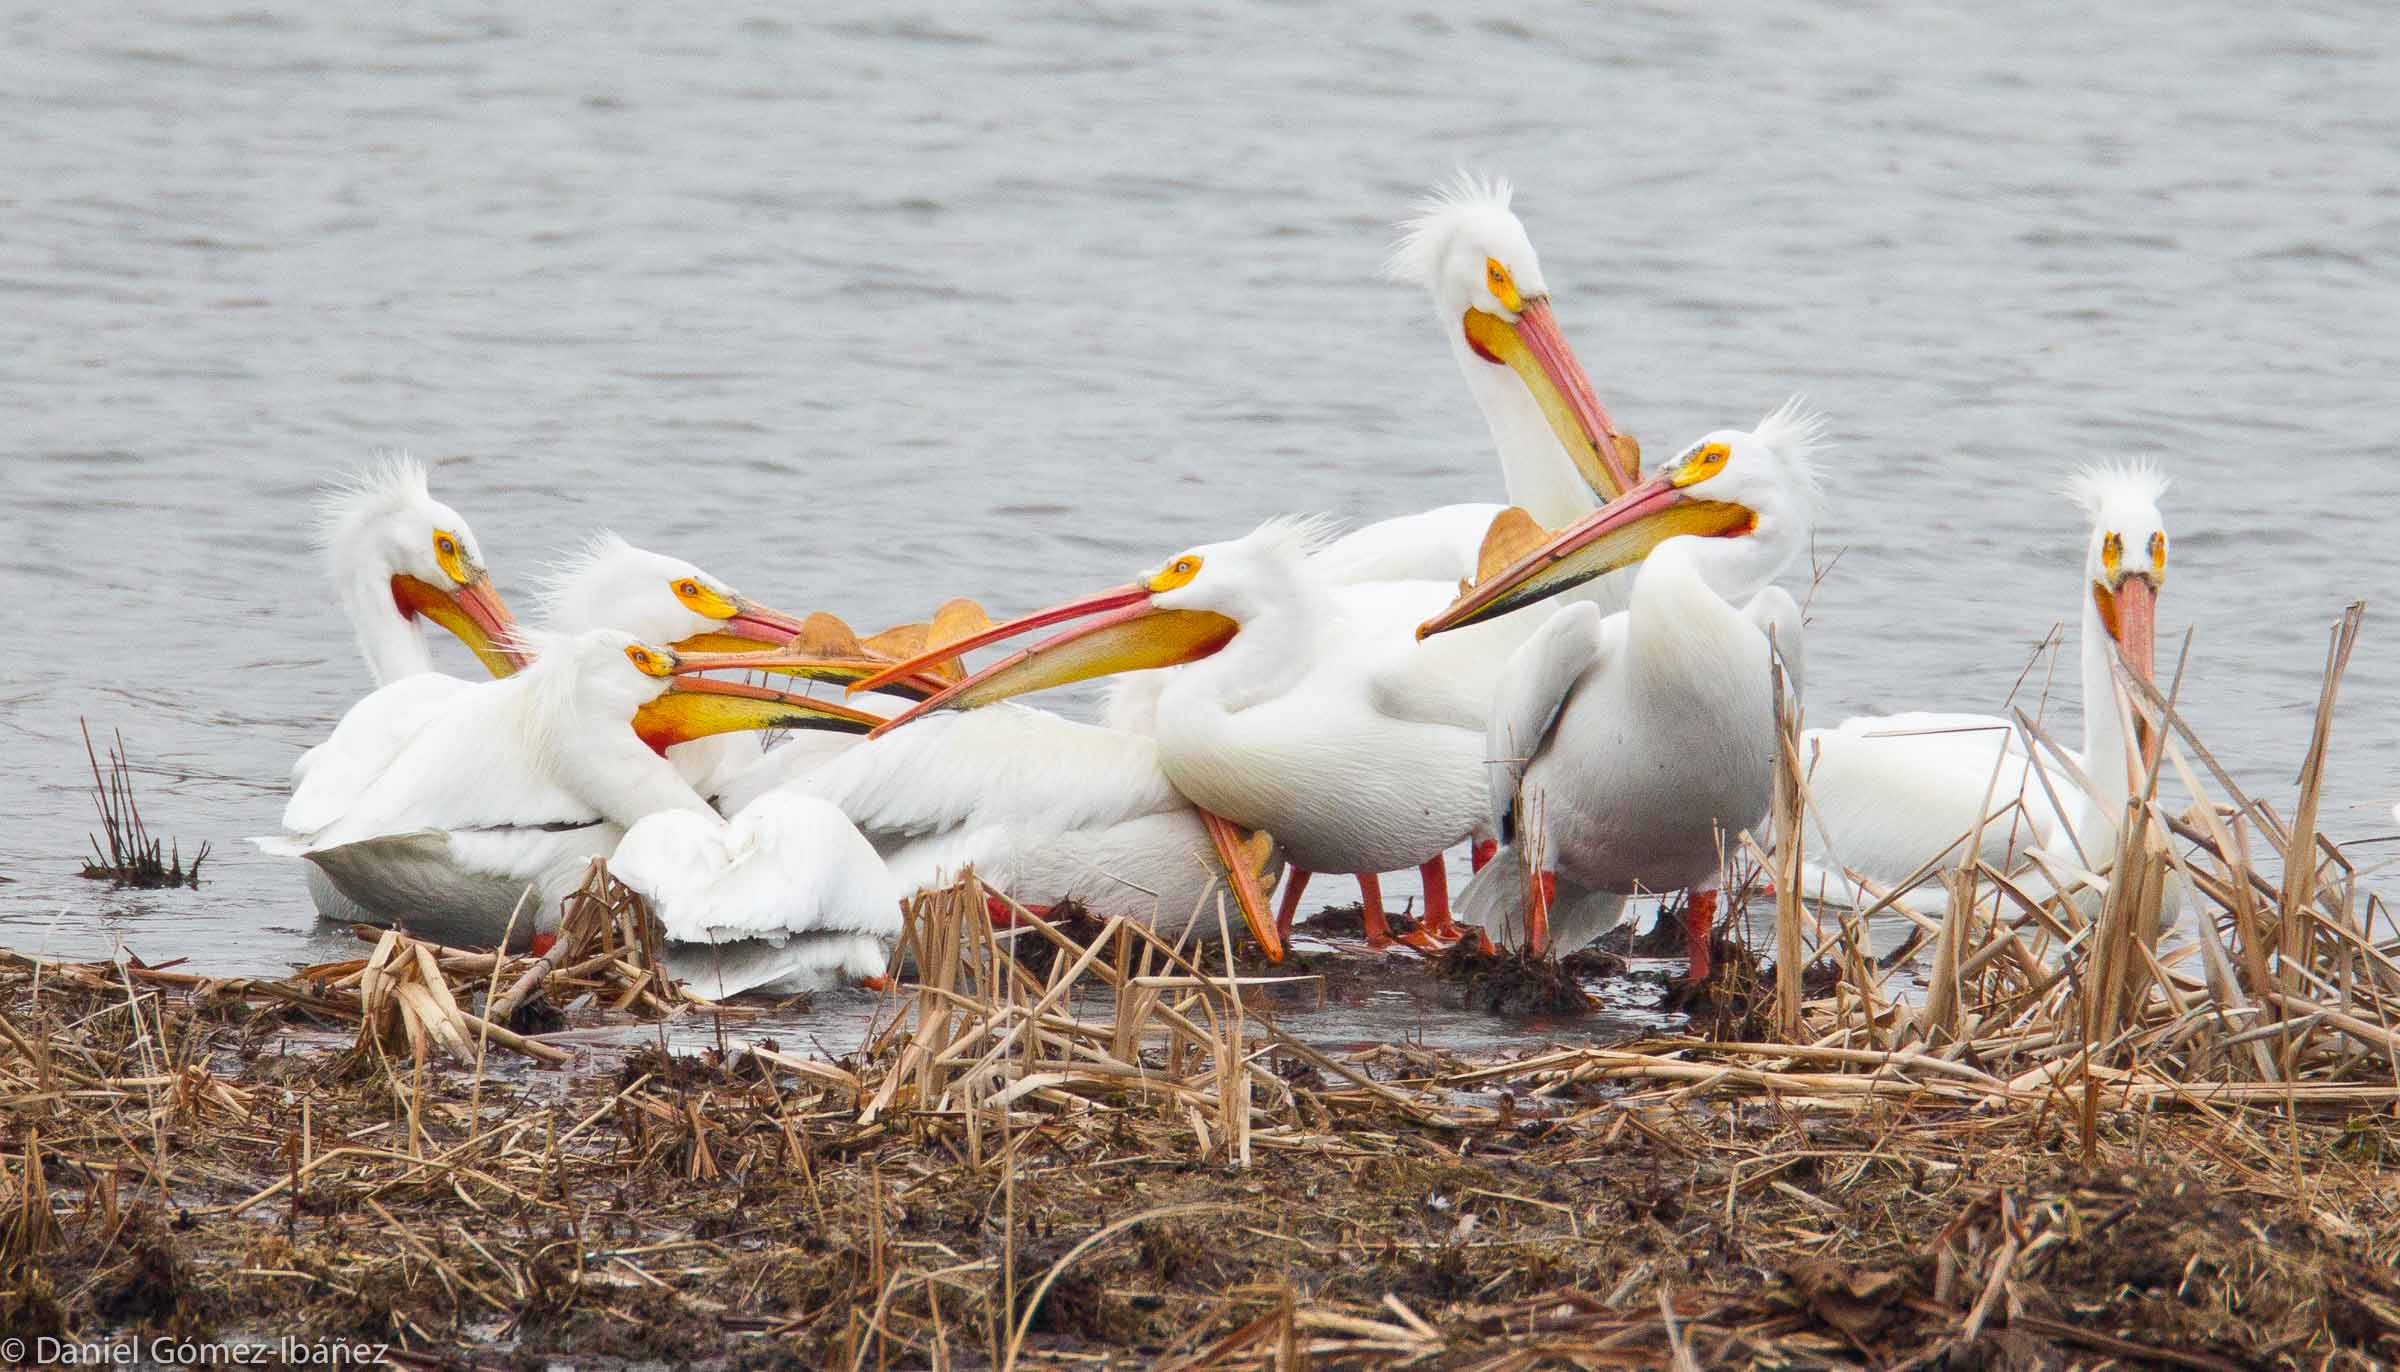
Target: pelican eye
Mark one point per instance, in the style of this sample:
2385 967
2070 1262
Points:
2112 552
652 663
1502 285
703 599
2158 552
451 556
1701 463
1177 573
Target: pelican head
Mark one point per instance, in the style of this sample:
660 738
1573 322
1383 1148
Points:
1470 253
609 583
1755 489
2126 558
398 551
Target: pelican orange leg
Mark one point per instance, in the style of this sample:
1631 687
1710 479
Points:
1699 926
1295 880
1438 922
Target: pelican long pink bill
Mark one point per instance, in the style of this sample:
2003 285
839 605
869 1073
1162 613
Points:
1124 632
1618 534
2130 612
472 611
1533 347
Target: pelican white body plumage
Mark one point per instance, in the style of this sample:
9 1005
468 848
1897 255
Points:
1631 752
513 783
488 814
1044 808
785 896
1890 794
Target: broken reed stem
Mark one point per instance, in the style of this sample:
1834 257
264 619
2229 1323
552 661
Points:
1789 802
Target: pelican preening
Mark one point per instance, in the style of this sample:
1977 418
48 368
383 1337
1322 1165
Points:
1891 796
1582 678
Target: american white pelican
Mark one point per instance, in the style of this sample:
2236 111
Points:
399 557
1629 752
1892 793
1043 808
1308 710
520 781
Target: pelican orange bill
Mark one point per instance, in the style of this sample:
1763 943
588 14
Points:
1124 633
695 707
473 612
1537 352
1618 534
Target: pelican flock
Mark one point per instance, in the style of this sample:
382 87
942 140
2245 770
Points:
1573 669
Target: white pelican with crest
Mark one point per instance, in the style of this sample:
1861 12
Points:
1891 795
1630 751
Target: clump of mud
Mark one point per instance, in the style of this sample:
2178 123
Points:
1504 983
1039 955
1350 921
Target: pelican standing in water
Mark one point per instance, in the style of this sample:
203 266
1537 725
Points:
1307 710
1629 751
1892 794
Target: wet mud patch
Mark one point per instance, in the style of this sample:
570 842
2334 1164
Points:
1506 983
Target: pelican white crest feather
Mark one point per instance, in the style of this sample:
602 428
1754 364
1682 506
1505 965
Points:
374 490
557 577
1294 537
2103 485
1417 255
1796 431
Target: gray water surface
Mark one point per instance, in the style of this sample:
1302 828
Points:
863 309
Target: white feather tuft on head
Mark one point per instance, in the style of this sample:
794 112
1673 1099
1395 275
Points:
2103 485
380 487
1797 434
1294 537
1417 255
561 579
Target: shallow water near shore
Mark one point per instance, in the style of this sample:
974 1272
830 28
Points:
862 312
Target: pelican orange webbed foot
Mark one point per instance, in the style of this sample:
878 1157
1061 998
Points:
1437 921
